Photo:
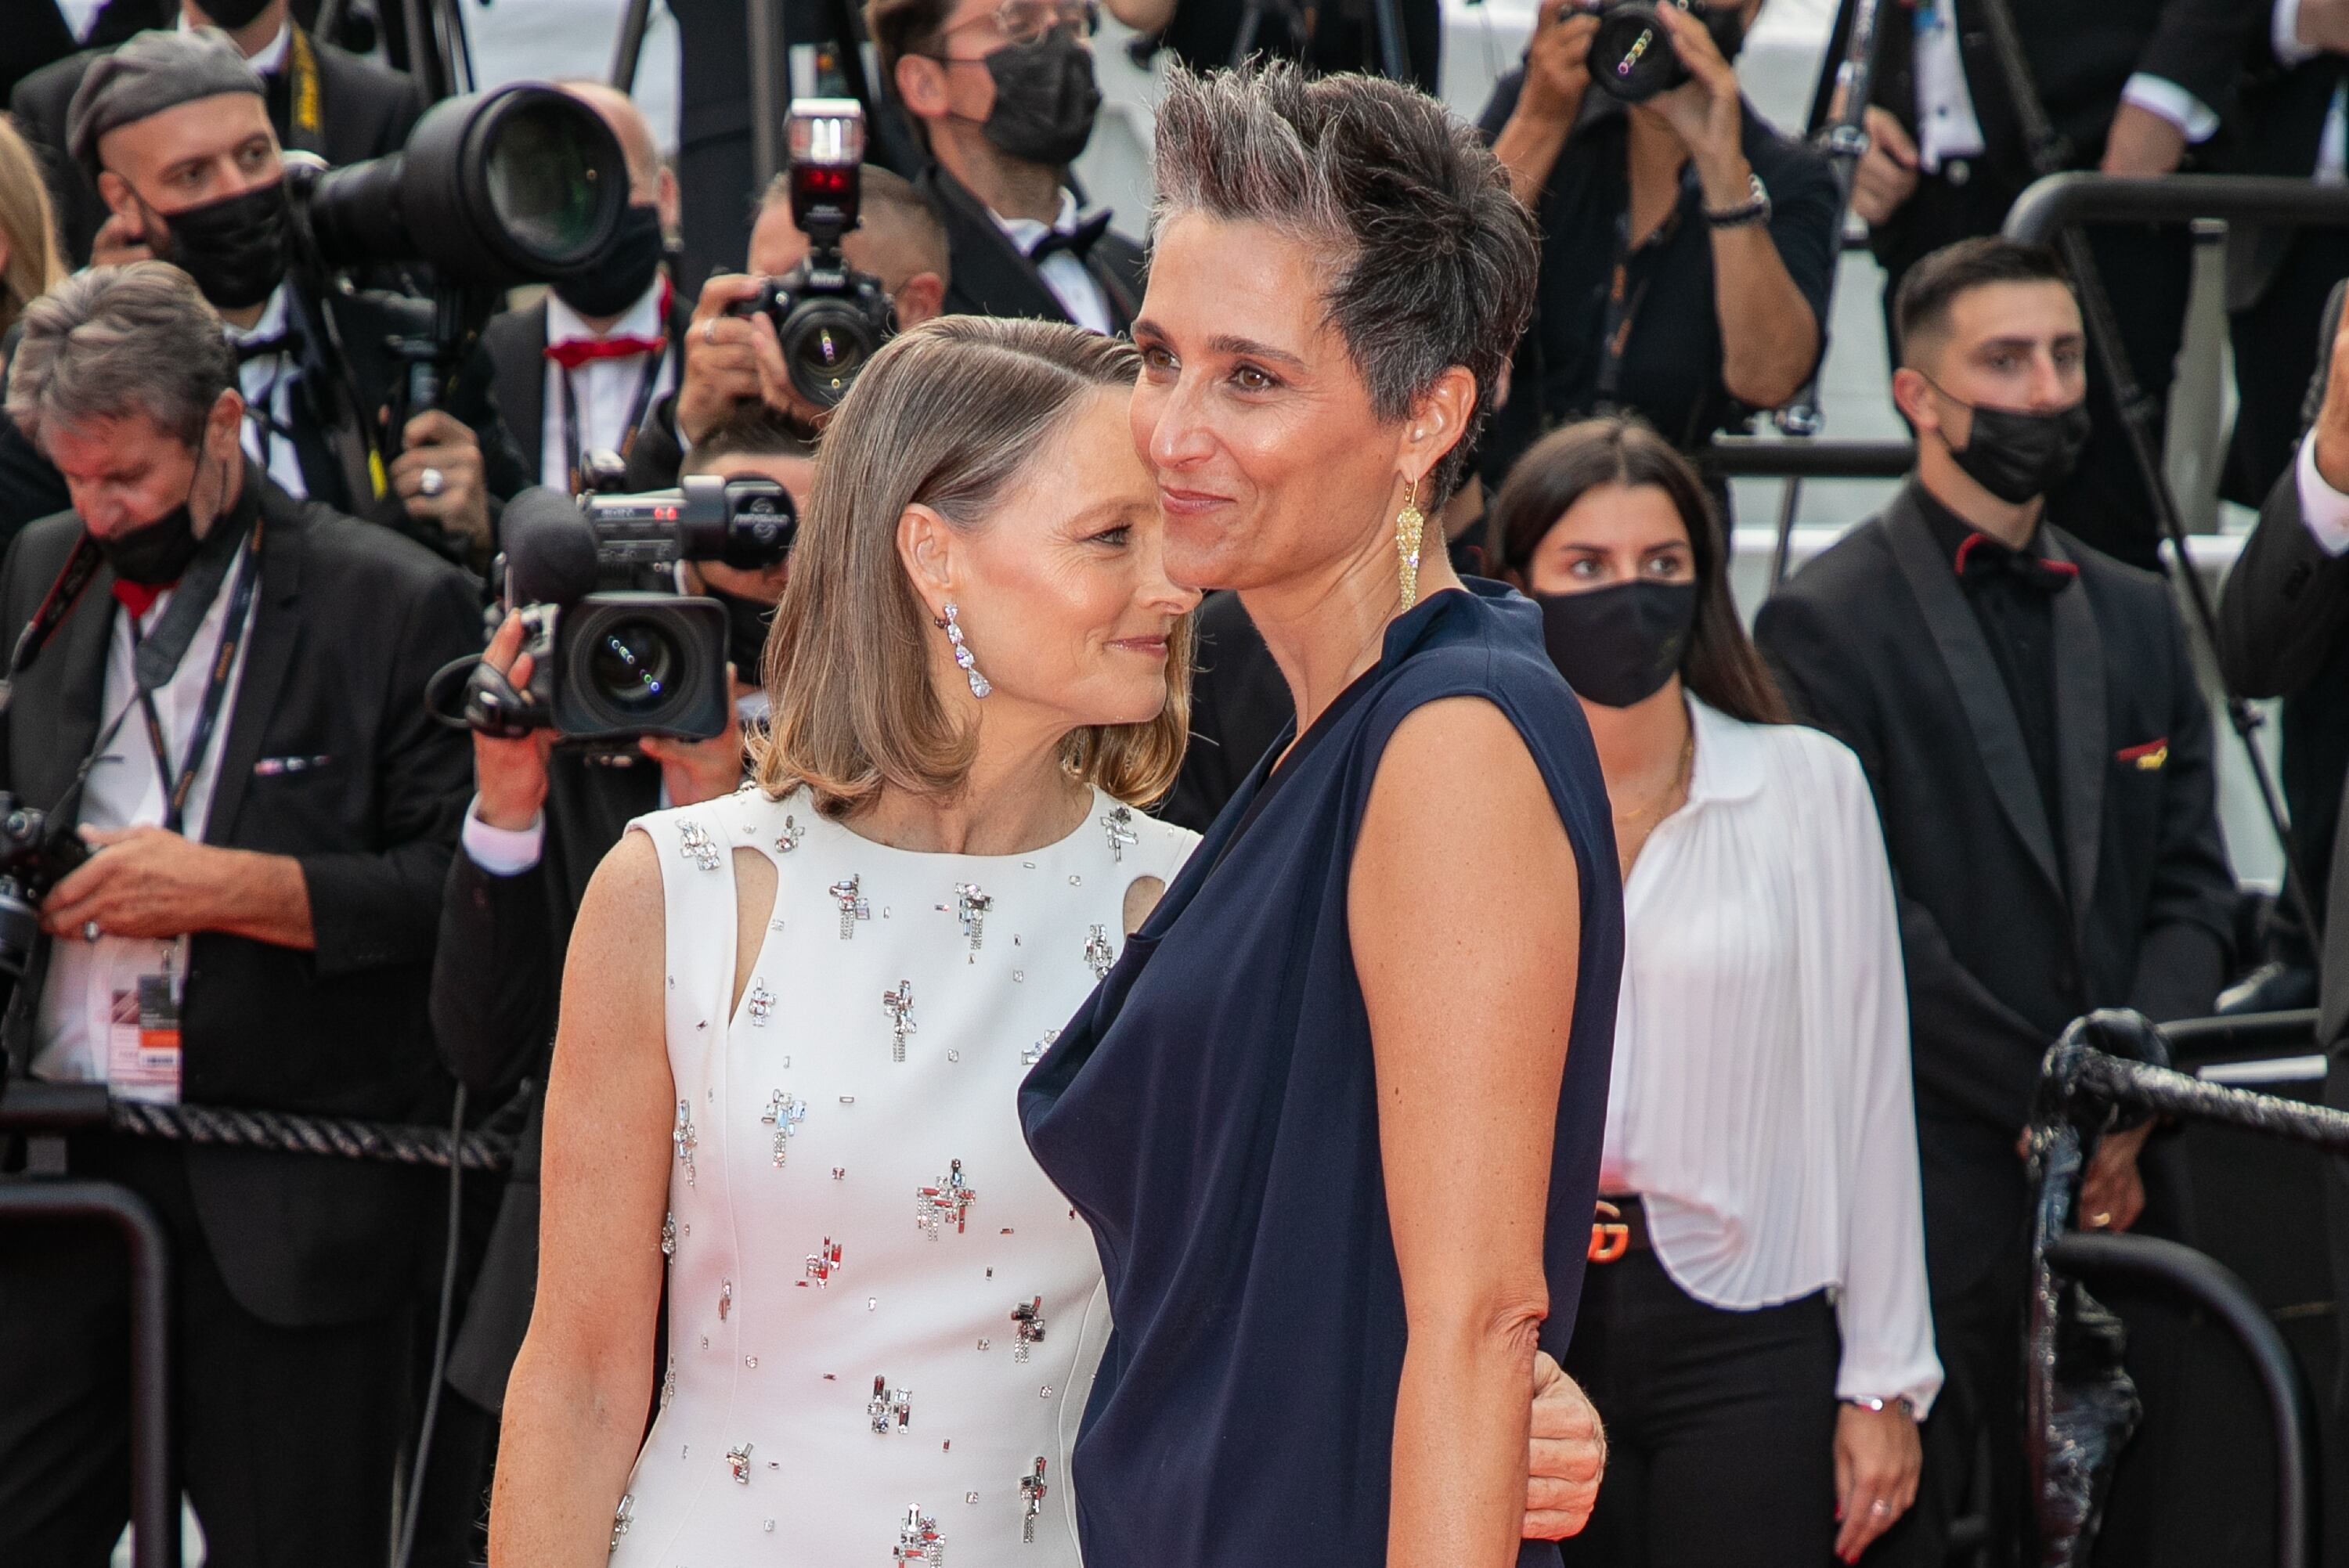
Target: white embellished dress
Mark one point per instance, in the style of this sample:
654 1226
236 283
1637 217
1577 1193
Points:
883 1318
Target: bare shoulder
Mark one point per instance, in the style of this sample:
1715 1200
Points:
1439 746
628 883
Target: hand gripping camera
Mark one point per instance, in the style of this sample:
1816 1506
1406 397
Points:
34 856
617 651
1631 55
828 317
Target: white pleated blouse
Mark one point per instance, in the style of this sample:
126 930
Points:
1761 1101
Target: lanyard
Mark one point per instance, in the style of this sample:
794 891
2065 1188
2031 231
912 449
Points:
638 407
239 603
1624 298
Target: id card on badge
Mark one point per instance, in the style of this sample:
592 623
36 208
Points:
142 1036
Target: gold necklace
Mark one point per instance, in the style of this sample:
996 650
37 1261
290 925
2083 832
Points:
1679 777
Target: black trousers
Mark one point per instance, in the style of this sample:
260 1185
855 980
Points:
286 1438
2147 273
1720 1426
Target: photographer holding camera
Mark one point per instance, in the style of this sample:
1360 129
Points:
173 130
543 818
1003 94
734 351
1705 303
223 689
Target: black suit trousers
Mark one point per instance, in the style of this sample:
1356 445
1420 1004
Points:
2147 273
286 1438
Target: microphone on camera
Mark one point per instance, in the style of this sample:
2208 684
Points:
550 548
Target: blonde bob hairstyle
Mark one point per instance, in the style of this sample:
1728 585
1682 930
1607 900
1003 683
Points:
948 416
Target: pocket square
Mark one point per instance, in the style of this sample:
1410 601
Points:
273 767
2150 757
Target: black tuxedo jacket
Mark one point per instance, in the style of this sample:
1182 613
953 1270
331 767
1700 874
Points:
349 622
2082 52
993 277
365 111
325 422
497 980
2277 127
1876 643
515 341
39 36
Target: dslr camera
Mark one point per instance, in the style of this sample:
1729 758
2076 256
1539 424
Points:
1631 55
828 317
616 650
34 856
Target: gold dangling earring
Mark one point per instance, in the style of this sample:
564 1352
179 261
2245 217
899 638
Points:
1409 525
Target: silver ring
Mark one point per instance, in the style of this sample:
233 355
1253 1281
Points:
709 330
432 481
1879 1508
89 931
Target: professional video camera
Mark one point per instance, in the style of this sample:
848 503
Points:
525 184
828 317
613 657
34 858
1631 55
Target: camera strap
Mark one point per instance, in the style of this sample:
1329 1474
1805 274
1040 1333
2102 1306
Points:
81 565
638 406
154 661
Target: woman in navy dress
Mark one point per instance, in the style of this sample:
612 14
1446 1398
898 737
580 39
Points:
1335 1115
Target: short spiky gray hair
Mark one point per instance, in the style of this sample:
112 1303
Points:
1435 258
113 341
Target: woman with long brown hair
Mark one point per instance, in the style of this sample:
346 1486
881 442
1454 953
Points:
29 264
1755 1329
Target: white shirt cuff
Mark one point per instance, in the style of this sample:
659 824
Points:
2325 511
2283 34
502 851
2158 94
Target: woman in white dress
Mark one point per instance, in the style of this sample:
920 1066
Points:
881 1314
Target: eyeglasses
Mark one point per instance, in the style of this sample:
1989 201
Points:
1033 21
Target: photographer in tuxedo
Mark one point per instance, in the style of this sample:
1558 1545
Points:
2028 716
1003 94
2283 630
271 817
543 818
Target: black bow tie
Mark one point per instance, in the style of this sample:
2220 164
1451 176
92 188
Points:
1077 242
1981 556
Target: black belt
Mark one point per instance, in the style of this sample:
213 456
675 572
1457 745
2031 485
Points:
1620 1228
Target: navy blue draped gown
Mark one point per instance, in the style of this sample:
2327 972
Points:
1213 1114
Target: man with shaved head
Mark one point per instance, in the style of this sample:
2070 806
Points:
579 371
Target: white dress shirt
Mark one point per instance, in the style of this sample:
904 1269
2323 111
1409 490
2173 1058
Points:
2324 509
267 382
1077 290
606 388
1760 1101
126 791
1948 129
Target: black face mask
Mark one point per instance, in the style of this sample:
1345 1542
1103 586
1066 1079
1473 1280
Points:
1045 100
1617 647
747 622
156 554
234 248
234 13
2017 455
619 277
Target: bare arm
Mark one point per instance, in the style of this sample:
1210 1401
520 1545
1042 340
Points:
1463 929
1558 73
574 1411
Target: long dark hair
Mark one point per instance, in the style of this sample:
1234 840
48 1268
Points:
1720 663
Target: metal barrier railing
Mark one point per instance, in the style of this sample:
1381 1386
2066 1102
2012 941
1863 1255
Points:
2116 1060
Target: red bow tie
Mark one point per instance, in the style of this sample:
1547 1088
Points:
578 351
140 597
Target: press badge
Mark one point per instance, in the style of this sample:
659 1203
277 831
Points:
142 1037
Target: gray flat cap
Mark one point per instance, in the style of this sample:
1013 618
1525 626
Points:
151 72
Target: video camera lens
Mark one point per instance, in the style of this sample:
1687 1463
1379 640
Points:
635 664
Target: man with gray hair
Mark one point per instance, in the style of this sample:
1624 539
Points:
224 690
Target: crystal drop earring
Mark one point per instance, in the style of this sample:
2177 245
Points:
951 624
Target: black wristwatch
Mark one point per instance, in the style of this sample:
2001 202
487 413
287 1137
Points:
1757 208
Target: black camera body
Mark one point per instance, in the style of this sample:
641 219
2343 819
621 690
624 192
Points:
34 856
1632 56
828 317
616 652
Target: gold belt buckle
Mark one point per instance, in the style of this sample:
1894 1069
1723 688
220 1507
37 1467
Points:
1610 1237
